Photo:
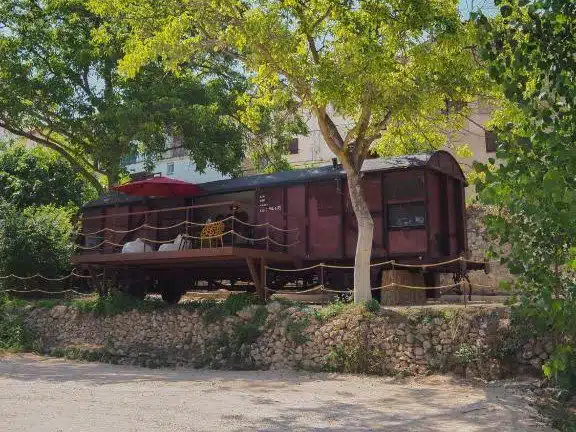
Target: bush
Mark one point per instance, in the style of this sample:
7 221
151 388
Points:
116 303
13 334
38 176
35 240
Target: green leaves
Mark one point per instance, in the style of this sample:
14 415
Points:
533 187
59 78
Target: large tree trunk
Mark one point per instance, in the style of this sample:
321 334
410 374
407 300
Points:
362 288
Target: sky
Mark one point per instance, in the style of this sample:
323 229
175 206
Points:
487 6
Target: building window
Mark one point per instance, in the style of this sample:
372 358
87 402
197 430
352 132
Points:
407 215
170 168
130 159
490 139
293 146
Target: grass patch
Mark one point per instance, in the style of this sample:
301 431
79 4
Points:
331 310
116 304
233 304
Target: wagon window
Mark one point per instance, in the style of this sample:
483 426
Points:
403 186
407 215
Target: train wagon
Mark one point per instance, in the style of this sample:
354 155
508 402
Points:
234 230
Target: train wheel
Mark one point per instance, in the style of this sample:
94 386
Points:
171 296
135 288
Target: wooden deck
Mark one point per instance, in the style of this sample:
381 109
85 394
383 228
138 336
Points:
217 260
177 258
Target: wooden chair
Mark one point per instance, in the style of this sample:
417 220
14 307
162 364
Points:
212 231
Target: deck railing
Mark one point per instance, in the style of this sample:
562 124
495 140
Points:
200 225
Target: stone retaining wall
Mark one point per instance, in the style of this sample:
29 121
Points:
476 341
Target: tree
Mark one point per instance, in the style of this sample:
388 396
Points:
531 52
388 66
61 89
38 176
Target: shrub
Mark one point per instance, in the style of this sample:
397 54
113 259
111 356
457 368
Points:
38 176
466 354
295 331
13 334
236 302
330 310
35 240
372 305
116 303
247 333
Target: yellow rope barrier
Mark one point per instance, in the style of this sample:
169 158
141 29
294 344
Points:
387 286
146 226
38 275
392 263
186 236
47 292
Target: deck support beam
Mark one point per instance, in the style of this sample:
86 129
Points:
256 277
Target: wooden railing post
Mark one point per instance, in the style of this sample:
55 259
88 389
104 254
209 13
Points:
233 231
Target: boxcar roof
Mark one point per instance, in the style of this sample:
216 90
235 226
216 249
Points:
433 160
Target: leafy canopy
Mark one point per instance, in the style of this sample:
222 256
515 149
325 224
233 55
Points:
388 66
531 51
61 89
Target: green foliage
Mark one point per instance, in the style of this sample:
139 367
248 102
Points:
260 316
37 176
466 354
14 336
115 304
332 309
35 240
236 302
62 89
530 51
295 331
233 303
372 306
247 333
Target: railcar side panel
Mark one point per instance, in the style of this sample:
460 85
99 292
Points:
324 213
296 218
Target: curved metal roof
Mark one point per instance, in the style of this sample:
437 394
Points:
303 175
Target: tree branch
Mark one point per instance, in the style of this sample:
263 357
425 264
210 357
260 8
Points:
329 131
322 18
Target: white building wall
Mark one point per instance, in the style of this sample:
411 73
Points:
313 151
183 169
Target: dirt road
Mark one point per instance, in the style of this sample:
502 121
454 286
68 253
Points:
39 394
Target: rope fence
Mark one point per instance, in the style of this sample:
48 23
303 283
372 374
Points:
186 223
58 279
392 263
201 238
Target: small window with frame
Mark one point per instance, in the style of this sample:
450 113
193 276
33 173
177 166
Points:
170 168
293 146
407 215
490 139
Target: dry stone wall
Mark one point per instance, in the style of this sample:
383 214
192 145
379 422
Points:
417 340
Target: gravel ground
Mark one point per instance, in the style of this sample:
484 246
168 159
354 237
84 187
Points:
41 394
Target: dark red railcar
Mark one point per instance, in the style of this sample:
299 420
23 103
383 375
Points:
288 219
